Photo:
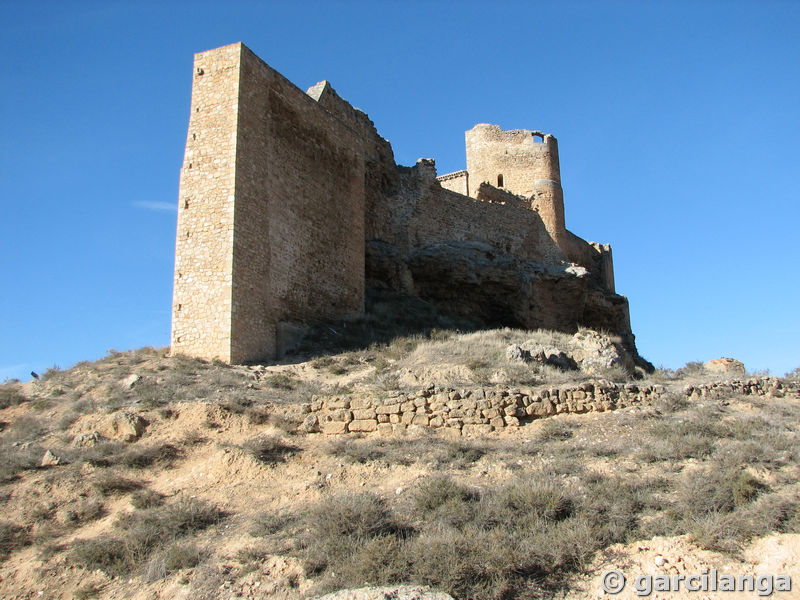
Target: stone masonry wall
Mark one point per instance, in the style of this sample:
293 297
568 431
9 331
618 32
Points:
271 219
422 213
299 235
518 155
282 192
524 163
201 309
482 410
455 182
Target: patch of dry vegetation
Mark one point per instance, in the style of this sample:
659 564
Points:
514 515
146 535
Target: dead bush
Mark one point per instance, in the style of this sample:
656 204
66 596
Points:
269 449
145 533
12 538
145 498
109 483
11 394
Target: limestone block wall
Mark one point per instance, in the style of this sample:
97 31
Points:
455 182
479 411
299 243
201 308
272 202
524 163
522 157
423 213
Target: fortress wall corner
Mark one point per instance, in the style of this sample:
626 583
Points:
455 182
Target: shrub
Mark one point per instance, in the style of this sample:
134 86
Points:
458 455
14 459
144 533
358 516
282 381
555 430
438 490
173 558
269 523
11 394
83 511
269 449
141 457
145 498
108 554
87 591
12 538
109 482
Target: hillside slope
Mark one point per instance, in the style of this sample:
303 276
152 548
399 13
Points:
147 476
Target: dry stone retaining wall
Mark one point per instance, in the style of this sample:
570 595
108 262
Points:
483 410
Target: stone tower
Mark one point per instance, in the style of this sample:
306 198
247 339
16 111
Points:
270 212
524 163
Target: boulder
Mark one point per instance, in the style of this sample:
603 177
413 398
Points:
50 460
84 440
516 352
725 366
127 426
555 358
310 424
130 381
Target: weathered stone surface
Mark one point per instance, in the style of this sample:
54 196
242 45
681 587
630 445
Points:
127 426
310 424
729 366
364 413
337 403
85 440
333 427
130 381
50 460
363 425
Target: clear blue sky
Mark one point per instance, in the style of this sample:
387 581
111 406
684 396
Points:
678 125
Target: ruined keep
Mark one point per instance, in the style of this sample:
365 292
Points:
291 206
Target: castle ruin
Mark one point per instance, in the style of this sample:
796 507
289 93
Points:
291 206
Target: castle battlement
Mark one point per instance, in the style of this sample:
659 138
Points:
291 205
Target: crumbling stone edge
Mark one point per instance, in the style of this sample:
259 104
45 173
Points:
481 410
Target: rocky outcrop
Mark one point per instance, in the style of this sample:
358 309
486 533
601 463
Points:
127 426
729 366
478 281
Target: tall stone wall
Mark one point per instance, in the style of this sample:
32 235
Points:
294 234
201 308
422 212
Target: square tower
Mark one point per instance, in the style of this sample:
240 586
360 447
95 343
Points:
270 212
